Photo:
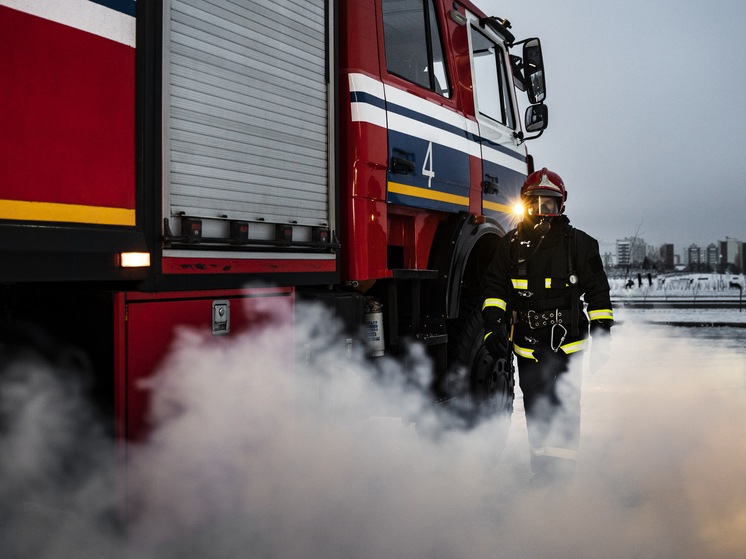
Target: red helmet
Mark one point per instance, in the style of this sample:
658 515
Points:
545 183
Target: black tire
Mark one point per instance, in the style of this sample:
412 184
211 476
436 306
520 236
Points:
484 386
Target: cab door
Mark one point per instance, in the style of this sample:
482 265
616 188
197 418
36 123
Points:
428 139
504 166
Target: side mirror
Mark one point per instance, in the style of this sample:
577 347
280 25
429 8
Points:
533 71
537 118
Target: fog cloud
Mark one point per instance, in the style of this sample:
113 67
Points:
248 458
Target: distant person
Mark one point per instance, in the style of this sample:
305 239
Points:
532 302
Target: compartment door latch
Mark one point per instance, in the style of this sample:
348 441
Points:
221 318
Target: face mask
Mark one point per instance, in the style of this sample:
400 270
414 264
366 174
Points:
542 205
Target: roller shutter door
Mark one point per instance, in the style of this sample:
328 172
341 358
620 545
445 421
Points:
246 110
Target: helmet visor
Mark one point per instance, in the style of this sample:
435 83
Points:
543 205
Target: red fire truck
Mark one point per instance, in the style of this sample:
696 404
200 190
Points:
168 162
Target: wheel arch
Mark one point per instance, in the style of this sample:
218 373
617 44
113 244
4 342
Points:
462 248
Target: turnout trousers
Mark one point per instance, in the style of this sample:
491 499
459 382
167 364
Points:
551 397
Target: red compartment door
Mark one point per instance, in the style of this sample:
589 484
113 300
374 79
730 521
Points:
151 327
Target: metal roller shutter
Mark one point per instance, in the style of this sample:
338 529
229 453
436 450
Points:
246 110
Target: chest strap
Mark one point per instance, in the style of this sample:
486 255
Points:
571 273
524 304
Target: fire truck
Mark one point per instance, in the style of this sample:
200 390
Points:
178 162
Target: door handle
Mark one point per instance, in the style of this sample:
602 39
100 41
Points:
490 184
401 166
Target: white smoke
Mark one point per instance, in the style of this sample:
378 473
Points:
250 458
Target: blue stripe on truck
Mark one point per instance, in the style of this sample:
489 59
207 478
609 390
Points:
127 7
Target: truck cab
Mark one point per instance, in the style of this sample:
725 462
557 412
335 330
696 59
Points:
430 127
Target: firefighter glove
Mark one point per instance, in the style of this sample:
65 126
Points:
496 340
601 345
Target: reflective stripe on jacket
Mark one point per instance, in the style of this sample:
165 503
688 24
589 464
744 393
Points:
499 303
555 452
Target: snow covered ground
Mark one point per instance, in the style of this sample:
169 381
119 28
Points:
672 286
695 317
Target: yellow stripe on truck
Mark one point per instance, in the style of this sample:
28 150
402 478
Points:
22 210
417 192
495 207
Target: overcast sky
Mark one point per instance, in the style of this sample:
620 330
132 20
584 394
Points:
647 114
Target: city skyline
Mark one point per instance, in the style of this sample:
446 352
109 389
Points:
718 254
609 245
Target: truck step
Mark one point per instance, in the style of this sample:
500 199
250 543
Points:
414 274
431 339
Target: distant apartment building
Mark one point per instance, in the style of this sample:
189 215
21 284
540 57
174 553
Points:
693 255
723 254
711 256
667 256
731 253
630 251
622 252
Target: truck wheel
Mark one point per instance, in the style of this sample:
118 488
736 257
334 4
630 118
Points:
488 382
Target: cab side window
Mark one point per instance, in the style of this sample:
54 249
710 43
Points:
412 40
491 78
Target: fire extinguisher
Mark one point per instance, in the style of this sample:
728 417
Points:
374 327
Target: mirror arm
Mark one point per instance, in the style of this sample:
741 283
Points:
521 138
521 42
533 137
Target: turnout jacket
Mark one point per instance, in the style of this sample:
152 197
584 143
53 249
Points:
534 289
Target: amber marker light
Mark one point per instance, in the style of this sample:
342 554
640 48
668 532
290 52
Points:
134 259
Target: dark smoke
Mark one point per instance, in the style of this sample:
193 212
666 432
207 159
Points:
57 464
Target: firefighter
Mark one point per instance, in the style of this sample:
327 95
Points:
533 290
